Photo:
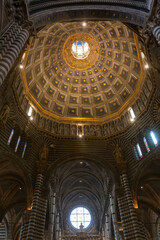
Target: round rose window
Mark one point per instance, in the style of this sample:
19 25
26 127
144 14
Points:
80 215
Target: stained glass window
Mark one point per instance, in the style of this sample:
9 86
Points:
146 144
139 150
18 141
10 137
154 139
80 215
24 149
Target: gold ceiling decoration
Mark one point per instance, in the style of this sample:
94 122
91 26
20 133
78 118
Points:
96 88
78 63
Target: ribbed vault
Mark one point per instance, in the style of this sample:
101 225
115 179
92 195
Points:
81 183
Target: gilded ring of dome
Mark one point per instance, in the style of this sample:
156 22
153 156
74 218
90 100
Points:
81 64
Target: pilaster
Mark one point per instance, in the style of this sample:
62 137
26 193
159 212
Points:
25 224
130 223
11 42
34 228
114 217
38 212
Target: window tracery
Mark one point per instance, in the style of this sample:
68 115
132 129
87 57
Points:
80 215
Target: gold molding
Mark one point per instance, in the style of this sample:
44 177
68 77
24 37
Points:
81 119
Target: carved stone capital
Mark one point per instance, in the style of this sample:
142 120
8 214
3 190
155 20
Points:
21 16
9 9
153 20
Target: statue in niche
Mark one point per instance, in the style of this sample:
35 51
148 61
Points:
117 153
61 129
43 156
136 108
146 91
122 122
105 130
43 153
126 119
41 122
140 104
67 129
37 118
4 113
119 124
119 157
73 130
45 122
86 130
55 127
92 130
98 131
149 84
116 125
144 99
111 127
47 126
52 127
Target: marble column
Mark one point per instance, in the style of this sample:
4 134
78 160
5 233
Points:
156 33
130 223
131 228
24 226
57 226
114 217
11 42
2 231
36 226
10 229
52 217
38 213
106 229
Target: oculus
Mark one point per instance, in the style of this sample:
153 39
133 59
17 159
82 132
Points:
80 49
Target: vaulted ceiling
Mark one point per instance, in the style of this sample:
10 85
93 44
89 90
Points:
81 183
100 86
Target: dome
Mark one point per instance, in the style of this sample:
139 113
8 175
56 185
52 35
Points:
76 73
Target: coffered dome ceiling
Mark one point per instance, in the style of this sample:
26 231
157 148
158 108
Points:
99 85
